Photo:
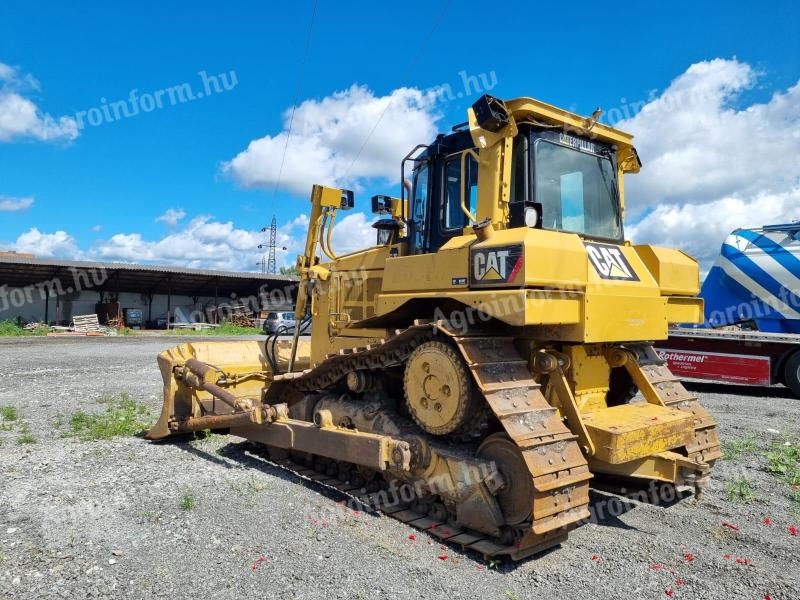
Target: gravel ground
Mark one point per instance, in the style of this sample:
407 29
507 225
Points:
210 518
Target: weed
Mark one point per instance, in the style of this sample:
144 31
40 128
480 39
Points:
511 595
783 460
740 490
248 490
9 328
123 416
722 534
26 438
224 328
25 435
151 516
206 435
6 426
734 449
58 421
9 413
227 328
494 563
188 502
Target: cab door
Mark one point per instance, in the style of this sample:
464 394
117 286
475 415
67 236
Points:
419 223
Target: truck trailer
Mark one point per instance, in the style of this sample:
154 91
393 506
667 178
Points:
751 332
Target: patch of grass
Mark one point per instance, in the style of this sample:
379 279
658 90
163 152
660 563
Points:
8 413
9 328
6 426
734 449
123 417
25 435
249 490
206 435
58 421
740 490
722 534
783 460
188 502
151 516
225 328
511 595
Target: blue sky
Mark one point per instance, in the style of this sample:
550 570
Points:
118 177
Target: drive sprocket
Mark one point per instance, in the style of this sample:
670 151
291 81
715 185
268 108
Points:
439 392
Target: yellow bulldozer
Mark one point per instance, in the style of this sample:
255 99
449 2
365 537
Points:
471 372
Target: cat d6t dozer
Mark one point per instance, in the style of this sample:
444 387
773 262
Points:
471 372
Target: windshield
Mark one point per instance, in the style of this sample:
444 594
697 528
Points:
577 191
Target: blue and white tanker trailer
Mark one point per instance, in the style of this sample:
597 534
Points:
751 333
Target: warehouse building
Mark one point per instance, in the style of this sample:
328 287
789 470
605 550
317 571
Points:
145 296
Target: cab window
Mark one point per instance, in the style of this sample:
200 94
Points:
453 218
577 191
419 211
519 180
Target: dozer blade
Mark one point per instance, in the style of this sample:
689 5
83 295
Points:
241 368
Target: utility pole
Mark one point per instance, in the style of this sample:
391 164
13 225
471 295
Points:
268 262
273 236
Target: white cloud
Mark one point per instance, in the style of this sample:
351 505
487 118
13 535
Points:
202 243
700 229
172 216
710 165
6 72
97 228
327 135
47 245
9 204
209 244
354 232
21 118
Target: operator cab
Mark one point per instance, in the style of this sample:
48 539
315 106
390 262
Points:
559 181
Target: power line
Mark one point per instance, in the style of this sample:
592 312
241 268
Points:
268 264
409 68
300 76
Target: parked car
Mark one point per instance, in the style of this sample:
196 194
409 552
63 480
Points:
279 322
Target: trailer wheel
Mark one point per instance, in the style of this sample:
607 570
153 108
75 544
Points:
791 373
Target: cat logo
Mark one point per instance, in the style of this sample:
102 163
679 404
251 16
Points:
610 262
493 266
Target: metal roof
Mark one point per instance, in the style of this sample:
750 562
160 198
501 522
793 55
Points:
20 271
